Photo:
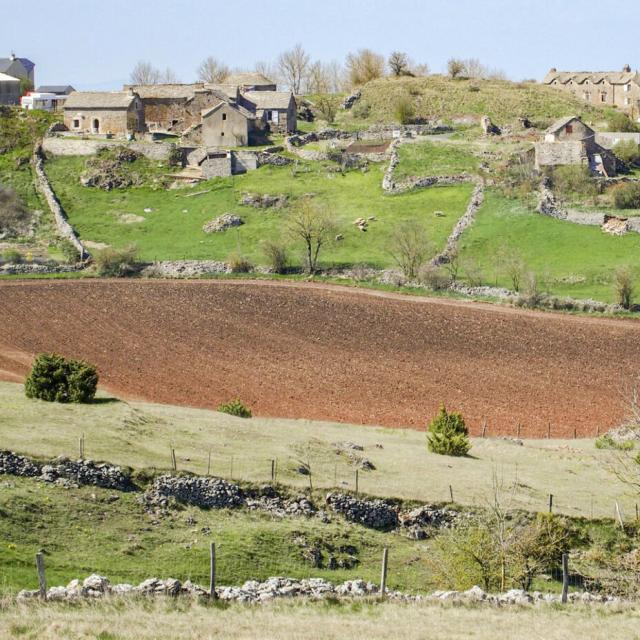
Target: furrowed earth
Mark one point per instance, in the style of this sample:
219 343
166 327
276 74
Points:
328 352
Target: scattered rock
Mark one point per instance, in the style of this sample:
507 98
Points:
375 514
350 100
615 226
222 223
488 128
199 491
264 200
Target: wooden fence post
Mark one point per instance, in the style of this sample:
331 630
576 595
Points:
356 482
42 580
575 433
212 571
231 469
549 430
383 576
551 503
273 471
451 492
565 577
209 464
484 428
82 447
174 464
518 431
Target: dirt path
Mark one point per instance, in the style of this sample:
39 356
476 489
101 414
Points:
328 352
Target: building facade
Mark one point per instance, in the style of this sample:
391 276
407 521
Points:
115 113
603 88
9 90
21 68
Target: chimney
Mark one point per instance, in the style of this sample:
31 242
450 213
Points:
13 56
626 68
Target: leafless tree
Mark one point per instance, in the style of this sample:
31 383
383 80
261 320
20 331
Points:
169 76
318 79
624 286
145 73
399 64
455 67
420 70
294 66
513 266
311 225
268 70
409 247
364 66
336 74
212 70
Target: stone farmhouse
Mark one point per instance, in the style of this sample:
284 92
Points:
569 141
10 91
114 113
613 88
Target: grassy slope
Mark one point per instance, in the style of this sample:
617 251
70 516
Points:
554 249
502 101
168 233
140 435
328 620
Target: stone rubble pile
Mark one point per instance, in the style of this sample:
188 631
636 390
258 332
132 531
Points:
184 268
68 473
418 521
222 223
268 499
375 514
194 490
255 592
264 200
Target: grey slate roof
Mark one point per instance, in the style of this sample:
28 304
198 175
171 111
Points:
276 100
563 122
165 91
5 63
595 77
99 100
248 80
60 89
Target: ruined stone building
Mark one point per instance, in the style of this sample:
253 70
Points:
601 88
116 113
569 141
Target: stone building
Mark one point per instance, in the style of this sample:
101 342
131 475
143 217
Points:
569 141
227 124
117 113
58 89
9 90
21 68
250 82
277 109
601 88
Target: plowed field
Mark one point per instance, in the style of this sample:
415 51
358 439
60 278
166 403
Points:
326 352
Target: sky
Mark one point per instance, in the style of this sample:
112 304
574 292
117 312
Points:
95 44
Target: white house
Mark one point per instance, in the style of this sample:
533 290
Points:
42 100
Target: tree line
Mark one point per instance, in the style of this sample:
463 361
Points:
296 69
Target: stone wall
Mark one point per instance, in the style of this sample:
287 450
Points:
560 153
65 146
243 161
217 167
43 187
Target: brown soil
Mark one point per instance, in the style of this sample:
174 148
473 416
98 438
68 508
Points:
329 352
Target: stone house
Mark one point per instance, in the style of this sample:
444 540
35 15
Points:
21 68
117 113
601 88
227 124
9 90
250 82
277 109
569 141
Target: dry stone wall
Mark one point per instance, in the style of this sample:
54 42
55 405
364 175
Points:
63 146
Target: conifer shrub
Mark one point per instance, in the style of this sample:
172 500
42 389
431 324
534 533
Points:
448 434
56 379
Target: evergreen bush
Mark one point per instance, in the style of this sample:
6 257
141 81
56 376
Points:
56 379
448 434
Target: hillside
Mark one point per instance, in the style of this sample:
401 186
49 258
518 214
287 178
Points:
442 98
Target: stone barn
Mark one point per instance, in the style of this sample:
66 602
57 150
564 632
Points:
116 113
227 125
570 141
277 109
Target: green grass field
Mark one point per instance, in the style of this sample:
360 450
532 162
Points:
434 159
173 230
569 259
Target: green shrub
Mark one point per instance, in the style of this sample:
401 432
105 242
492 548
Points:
572 180
607 442
13 256
69 251
403 110
448 434
627 196
235 408
620 122
276 255
116 263
361 110
628 151
56 379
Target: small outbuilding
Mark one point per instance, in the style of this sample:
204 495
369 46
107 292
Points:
109 113
277 109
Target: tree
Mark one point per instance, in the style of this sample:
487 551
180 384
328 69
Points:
628 151
448 434
144 73
311 225
364 66
328 108
15 218
268 70
624 287
409 247
455 67
294 65
169 76
55 379
317 80
212 71
399 64
513 266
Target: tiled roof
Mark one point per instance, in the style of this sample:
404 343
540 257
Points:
99 100
269 99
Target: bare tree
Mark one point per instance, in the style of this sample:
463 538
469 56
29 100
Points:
364 66
318 79
212 70
336 74
399 64
624 287
145 73
268 70
455 67
294 65
313 226
409 247
420 70
169 76
513 266
328 108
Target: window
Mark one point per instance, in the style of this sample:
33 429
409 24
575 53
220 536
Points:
269 115
76 124
222 134
569 129
224 116
627 88
603 97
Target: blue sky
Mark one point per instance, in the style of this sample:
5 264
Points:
94 45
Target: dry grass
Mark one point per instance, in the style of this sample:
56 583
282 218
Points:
141 434
186 620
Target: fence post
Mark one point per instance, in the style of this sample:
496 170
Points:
484 428
637 512
174 464
209 464
549 430
273 471
212 571
356 482
619 514
565 577
575 433
451 492
383 577
42 580
518 431
551 503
